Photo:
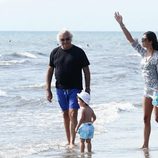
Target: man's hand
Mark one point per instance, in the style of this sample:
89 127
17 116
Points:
49 95
87 90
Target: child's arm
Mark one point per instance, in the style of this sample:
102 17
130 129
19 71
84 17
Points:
93 117
80 121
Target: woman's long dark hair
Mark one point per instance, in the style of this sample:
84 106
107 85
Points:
151 36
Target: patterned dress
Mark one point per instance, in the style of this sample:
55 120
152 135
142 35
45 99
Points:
149 69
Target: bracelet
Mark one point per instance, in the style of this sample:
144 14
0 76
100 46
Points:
122 26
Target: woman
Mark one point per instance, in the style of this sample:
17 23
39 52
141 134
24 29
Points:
149 65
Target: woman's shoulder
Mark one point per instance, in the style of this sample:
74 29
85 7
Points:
135 43
138 47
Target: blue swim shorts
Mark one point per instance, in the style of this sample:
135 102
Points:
67 98
86 130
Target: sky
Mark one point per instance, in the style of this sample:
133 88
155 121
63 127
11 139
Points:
77 15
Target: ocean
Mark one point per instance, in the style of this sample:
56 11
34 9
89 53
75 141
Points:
31 127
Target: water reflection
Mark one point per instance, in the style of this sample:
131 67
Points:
146 153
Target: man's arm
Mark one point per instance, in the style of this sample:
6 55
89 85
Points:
48 83
87 78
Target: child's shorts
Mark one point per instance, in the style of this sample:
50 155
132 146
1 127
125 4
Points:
86 130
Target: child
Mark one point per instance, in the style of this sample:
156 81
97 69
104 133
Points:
85 126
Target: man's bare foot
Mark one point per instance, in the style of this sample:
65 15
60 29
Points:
71 146
67 144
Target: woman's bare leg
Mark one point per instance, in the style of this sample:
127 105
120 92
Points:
148 107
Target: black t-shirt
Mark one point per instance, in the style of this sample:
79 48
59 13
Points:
68 66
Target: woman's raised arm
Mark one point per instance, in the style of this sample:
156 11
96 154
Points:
119 19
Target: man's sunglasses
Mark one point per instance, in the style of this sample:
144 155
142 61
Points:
65 39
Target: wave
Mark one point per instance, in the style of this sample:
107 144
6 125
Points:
3 93
38 85
13 58
134 55
42 54
26 54
106 113
109 112
49 119
12 62
26 150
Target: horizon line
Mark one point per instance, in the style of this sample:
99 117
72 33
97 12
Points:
70 30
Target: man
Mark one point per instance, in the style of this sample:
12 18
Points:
67 62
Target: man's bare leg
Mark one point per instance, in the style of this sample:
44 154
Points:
67 125
73 122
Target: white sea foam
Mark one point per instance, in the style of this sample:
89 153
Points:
40 85
36 85
26 54
134 55
3 93
12 62
109 112
12 151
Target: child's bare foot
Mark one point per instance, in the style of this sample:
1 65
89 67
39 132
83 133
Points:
89 153
82 155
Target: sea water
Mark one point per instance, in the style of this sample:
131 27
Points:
31 127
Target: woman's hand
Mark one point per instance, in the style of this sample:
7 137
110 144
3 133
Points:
118 18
